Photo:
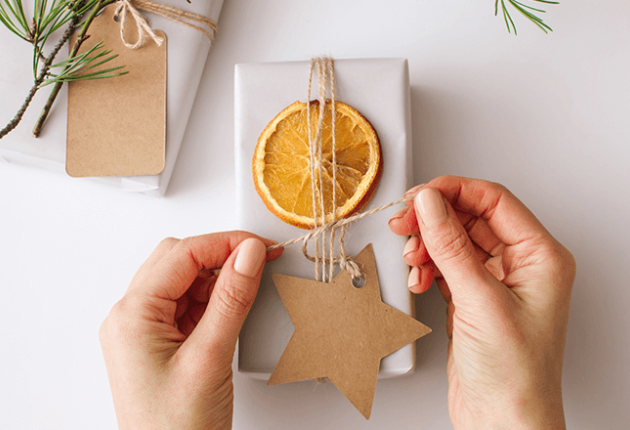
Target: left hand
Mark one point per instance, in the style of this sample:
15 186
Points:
169 342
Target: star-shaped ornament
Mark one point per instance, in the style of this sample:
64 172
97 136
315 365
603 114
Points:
342 331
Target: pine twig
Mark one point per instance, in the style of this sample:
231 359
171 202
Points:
82 37
41 77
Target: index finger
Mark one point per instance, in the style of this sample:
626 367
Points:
510 220
174 273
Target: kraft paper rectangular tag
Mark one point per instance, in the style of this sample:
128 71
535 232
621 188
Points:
117 126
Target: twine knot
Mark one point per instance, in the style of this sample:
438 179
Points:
125 7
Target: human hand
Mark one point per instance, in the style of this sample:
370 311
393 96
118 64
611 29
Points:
507 283
169 342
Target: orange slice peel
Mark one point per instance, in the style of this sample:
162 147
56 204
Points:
281 164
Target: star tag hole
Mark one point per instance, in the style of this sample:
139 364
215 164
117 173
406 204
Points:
358 282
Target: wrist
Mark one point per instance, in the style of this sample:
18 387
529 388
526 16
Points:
543 412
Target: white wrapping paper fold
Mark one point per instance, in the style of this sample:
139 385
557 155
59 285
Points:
187 53
379 89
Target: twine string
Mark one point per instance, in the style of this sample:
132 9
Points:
331 73
325 258
124 8
322 85
312 166
189 19
341 224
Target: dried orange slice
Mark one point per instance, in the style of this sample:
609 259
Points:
282 165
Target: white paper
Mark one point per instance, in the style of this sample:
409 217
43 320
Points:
379 89
187 52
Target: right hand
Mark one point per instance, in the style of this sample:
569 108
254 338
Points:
507 283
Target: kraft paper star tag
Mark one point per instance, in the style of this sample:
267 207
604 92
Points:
342 332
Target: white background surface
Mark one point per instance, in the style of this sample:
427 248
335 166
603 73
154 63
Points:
548 116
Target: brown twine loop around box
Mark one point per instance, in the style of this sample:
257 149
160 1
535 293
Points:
326 79
125 7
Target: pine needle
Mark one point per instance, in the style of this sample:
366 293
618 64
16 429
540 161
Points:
76 68
526 10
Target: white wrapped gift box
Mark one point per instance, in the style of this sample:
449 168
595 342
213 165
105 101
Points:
379 89
187 52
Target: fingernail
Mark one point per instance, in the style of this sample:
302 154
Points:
413 280
250 258
401 213
414 190
412 245
430 206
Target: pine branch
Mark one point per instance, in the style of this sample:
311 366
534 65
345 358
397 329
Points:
82 37
48 17
41 77
47 20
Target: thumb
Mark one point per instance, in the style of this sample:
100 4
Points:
450 247
214 339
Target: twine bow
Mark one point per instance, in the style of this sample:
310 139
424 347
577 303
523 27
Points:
342 225
125 7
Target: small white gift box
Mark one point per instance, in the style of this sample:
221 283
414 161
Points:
187 53
379 89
